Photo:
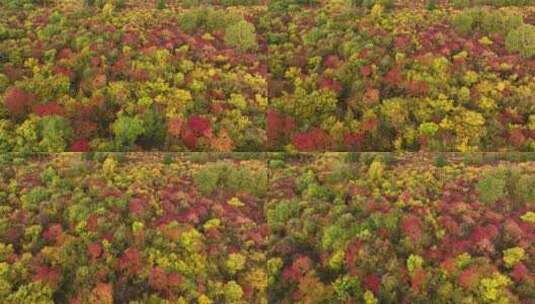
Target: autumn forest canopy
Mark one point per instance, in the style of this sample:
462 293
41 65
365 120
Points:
245 228
281 75
267 151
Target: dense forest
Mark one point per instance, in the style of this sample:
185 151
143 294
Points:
267 151
282 75
267 228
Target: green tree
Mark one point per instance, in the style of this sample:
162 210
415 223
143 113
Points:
522 40
525 188
241 35
56 132
492 185
154 130
127 130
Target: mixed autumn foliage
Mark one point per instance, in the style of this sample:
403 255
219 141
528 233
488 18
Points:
145 229
267 228
105 77
280 75
384 76
126 75
371 228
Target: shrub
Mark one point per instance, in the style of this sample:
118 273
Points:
440 160
371 3
241 35
127 130
492 185
56 132
414 262
107 10
498 22
463 23
528 217
244 179
235 262
168 159
347 288
190 3
18 101
494 289
206 18
238 2
512 256
224 175
461 3
522 40
525 188
283 211
314 139
233 292
431 5
376 170
189 21
154 129
208 177
486 21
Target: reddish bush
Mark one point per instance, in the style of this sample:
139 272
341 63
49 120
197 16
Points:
130 261
418 279
313 140
189 139
394 77
298 268
449 264
65 53
402 41
53 232
279 126
469 278
174 279
412 227
48 275
174 126
199 125
372 282
520 272
353 141
80 145
94 250
484 233
370 124
102 293
332 61
65 71
366 70
372 96
327 83
450 224
17 101
158 278
517 137
417 88
120 66
48 109
137 206
195 128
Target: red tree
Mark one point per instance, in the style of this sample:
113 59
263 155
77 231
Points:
313 140
48 109
18 101
279 126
